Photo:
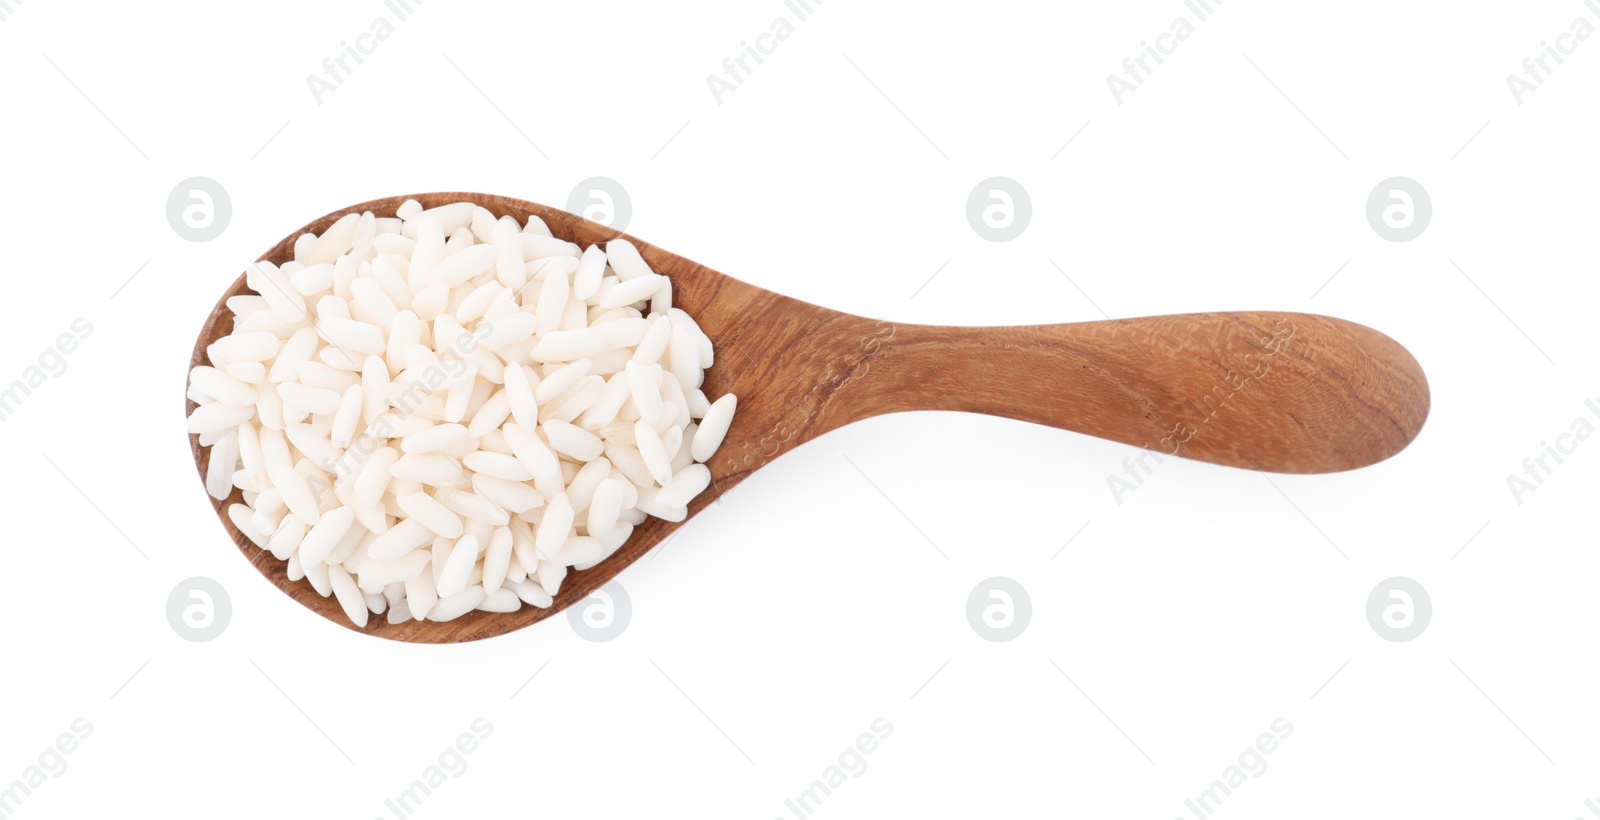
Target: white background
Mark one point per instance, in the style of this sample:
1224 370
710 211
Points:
1173 629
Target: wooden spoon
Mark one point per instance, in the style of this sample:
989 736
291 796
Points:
1284 392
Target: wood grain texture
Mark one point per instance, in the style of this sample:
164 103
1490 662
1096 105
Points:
1283 392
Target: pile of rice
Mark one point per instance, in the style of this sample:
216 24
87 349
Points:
441 411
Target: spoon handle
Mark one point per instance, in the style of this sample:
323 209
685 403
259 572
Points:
1283 392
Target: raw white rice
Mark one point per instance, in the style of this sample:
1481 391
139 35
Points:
441 411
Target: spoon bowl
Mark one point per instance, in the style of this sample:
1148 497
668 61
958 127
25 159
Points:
1281 392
